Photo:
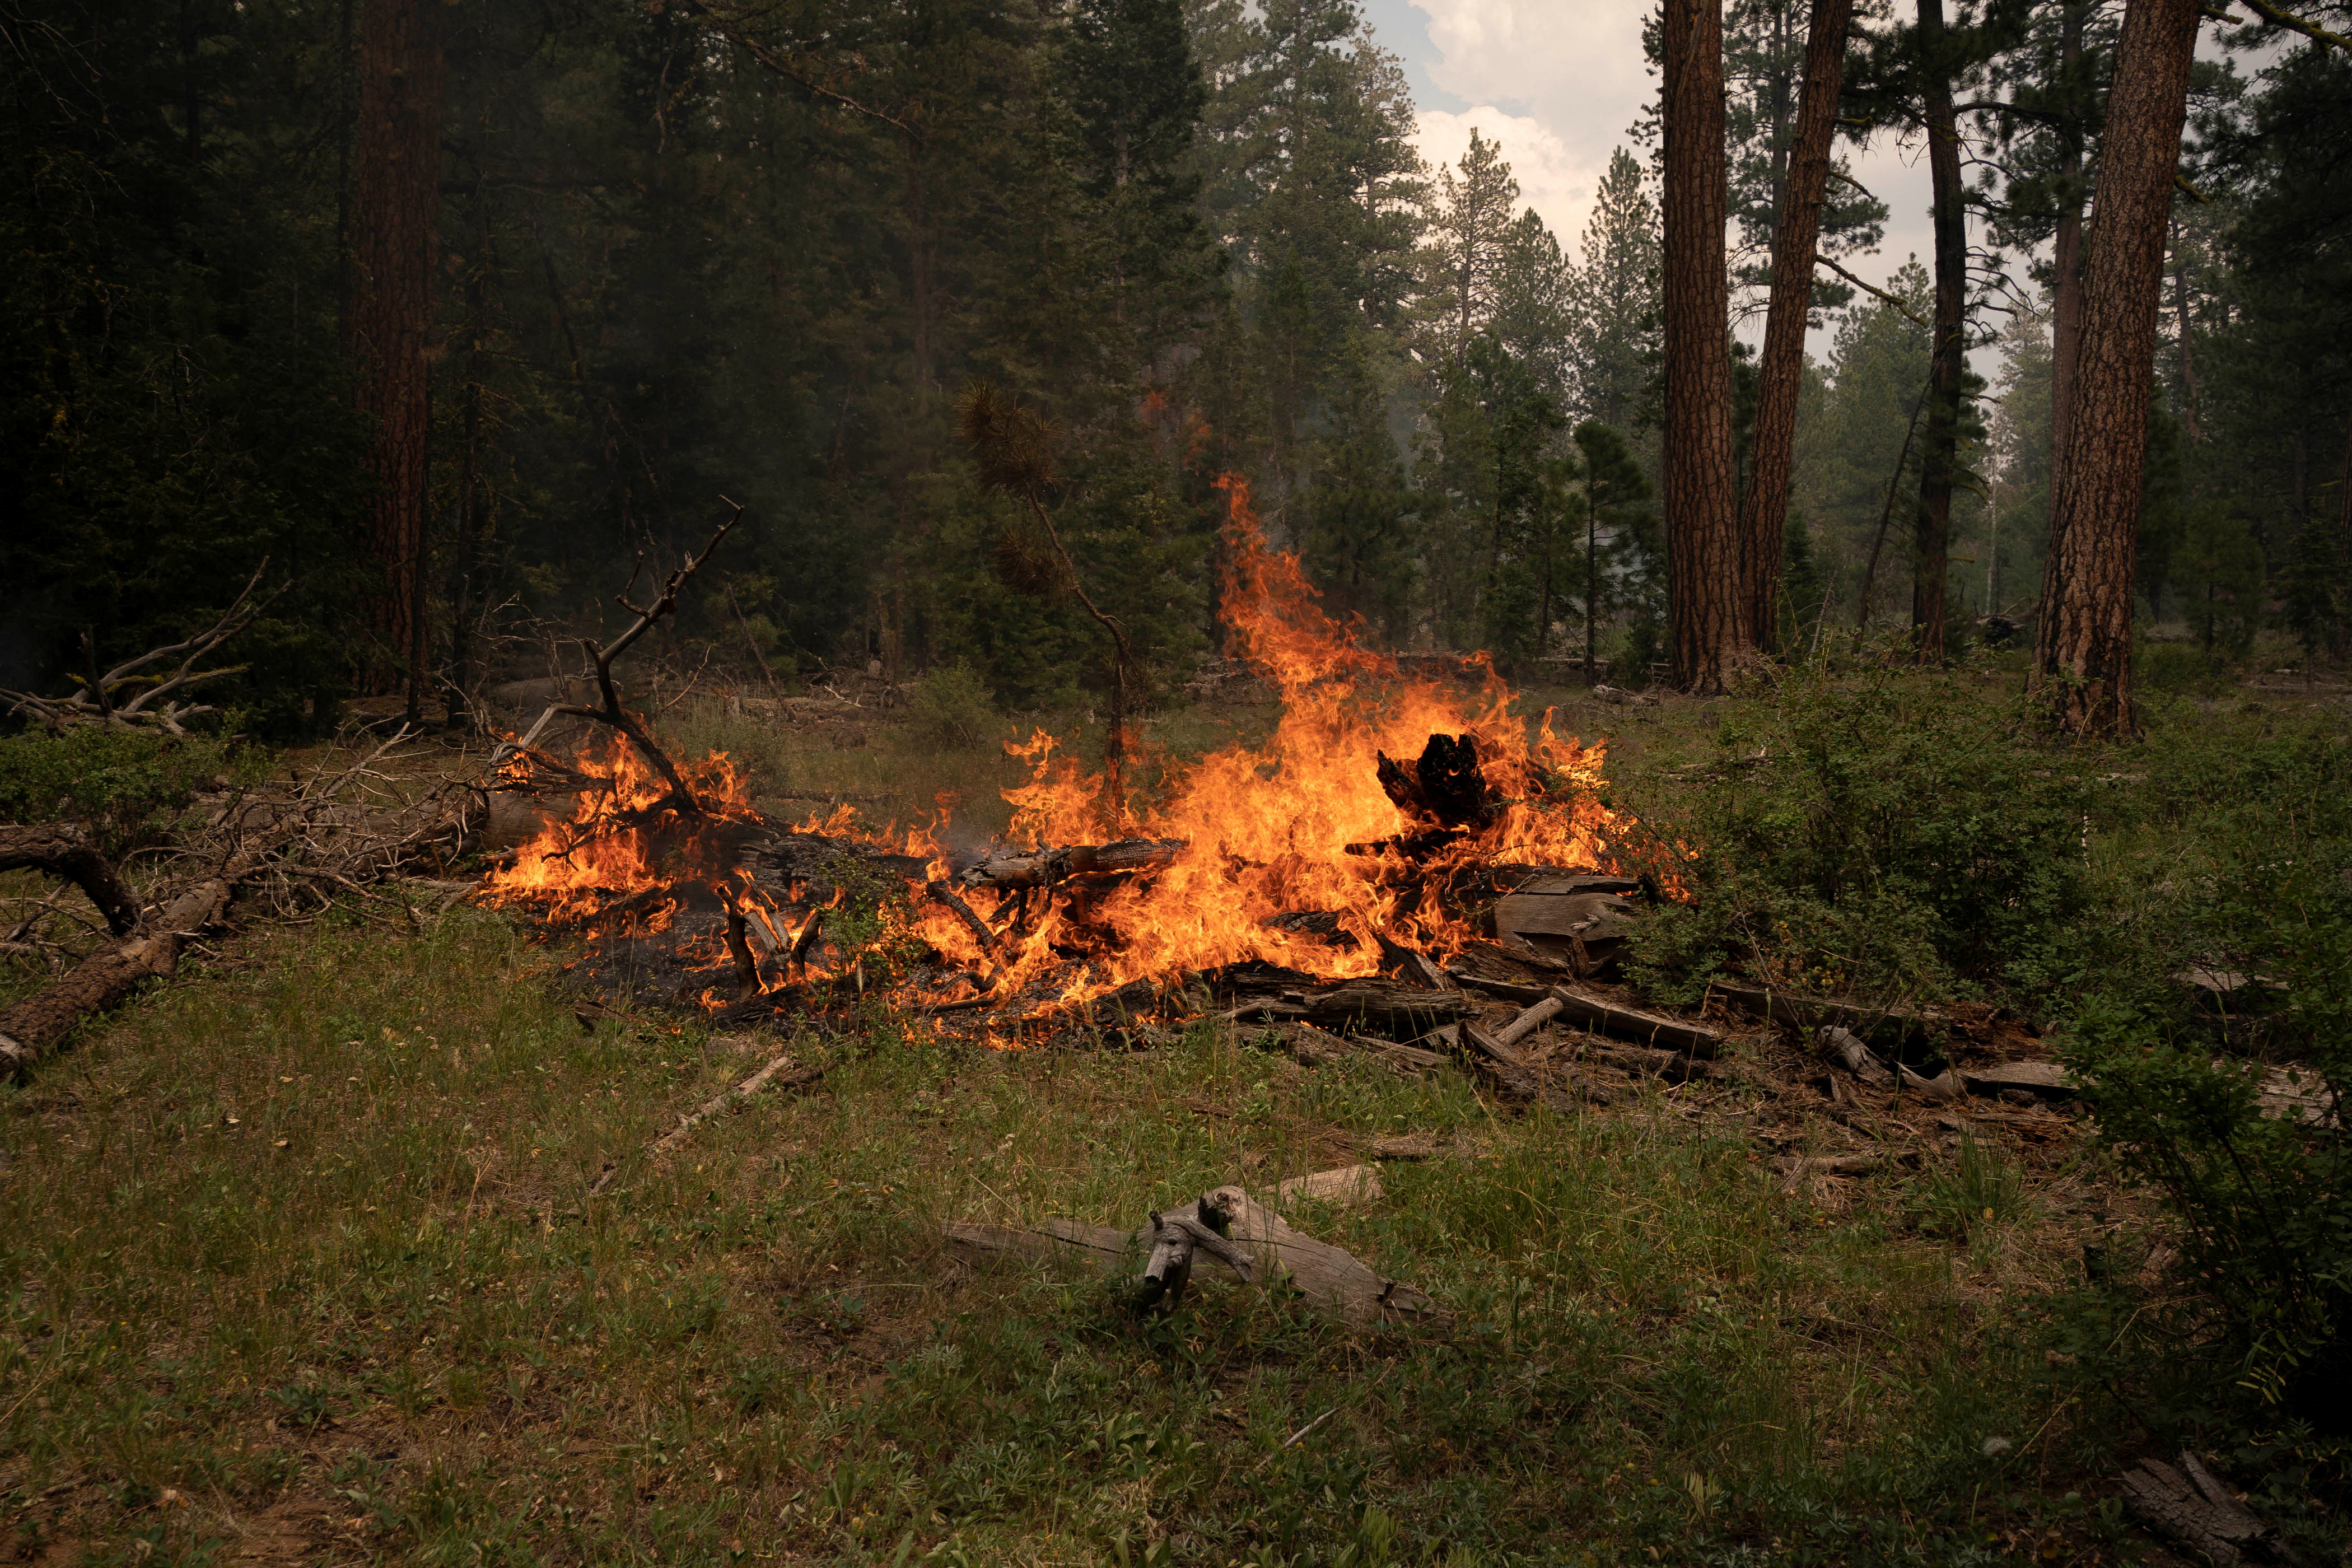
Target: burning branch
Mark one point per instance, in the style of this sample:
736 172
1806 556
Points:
106 700
681 798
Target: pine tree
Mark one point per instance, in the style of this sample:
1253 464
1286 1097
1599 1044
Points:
1612 304
1467 247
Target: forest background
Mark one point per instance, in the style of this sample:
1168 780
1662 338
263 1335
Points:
684 250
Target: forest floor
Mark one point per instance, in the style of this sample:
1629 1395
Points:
300 1264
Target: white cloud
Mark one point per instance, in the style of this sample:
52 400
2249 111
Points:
1552 178
1560 84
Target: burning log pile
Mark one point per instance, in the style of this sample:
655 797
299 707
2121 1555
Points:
1401 868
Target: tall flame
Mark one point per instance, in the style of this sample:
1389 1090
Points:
1288 827
1298 826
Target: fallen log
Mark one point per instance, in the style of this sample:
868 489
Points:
29 1029
67 851
2191 1509
278 848
1641 1028
1504 1066
1343 1188
1045 868
1329 1278
2046 1080
1879 1026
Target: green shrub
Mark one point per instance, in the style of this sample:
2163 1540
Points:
1887 833
2258 889
129 785
951 708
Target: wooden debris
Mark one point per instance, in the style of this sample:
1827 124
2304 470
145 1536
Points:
1443 787
1329 1278
2192 1509
1879 1026
1405 1146
2297 1094
1648 1061
1844 1048
1793 1169
1641 1028
1045 868
779 1073
2048 1080
1944 1084
1561 919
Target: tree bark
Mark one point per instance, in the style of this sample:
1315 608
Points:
1796 231
389 320
1707 604
65 850
1938 455
2086 677
2065 320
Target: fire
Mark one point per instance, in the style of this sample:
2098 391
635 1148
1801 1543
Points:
623 851
1295 827
1288 851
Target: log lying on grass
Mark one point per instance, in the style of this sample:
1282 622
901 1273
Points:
1329 1278
2191 1509
67 851
284 847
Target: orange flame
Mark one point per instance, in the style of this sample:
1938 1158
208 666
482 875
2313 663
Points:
1299 825
1267 830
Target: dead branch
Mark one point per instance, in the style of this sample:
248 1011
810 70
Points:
123 698
272 850
64 850
682 798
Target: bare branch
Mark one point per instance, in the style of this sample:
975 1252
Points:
1874 289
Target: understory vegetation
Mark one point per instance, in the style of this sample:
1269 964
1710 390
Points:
313 1248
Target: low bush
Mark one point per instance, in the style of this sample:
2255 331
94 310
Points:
129 786
951 708
2256 897
1886 833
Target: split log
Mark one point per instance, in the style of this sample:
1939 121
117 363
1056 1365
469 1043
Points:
1412 964
1647 1061
1528 1021
1366 1004
1879 1026
1329 1278
2192 1509
1845 1049
1568 925
1045 868
65 850
1641 1028
2047 1080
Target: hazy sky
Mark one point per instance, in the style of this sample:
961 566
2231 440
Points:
1558 83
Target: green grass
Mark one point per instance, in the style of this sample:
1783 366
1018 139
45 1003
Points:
301 1251
300 1264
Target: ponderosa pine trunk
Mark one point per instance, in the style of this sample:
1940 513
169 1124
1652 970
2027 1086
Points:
2086 677
1939 448
1796 233
1706 600
389 321
2065 320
